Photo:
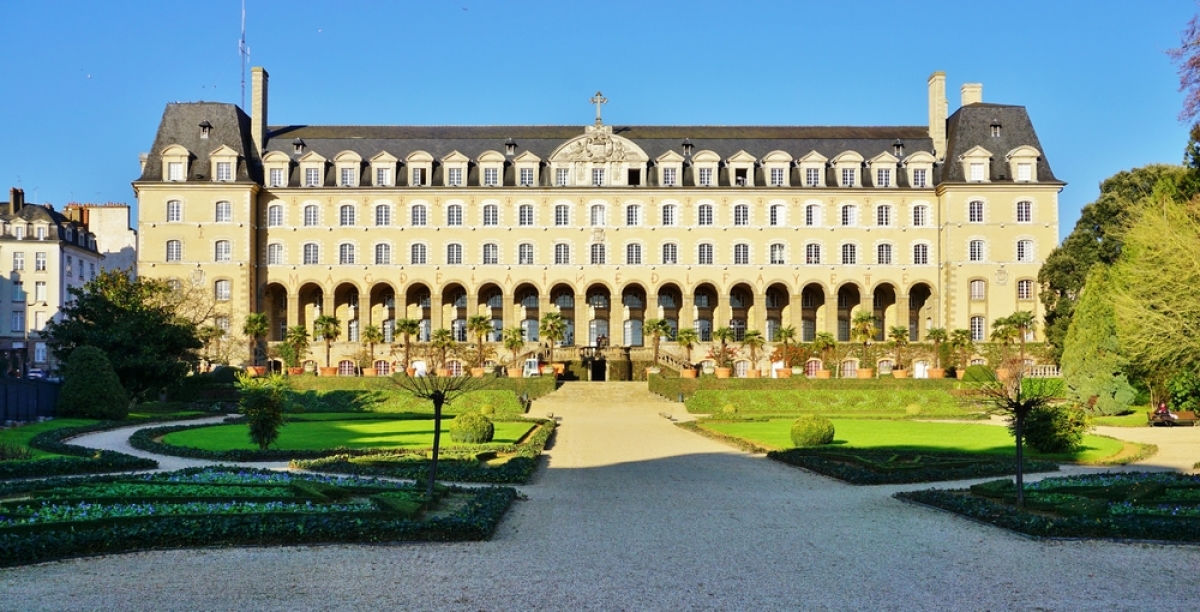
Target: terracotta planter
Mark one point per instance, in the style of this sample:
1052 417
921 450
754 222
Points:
687 373
724 372
514 372
559 368
257 370
296 371
865 373
443 372
477 372
410 370
753 373
370 372
328 371
960 374
936 372
899 373
823 373
783 373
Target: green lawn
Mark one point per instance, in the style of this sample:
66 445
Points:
914 435
22 435
1137 418
316 434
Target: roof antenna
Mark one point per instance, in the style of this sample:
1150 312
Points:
243 53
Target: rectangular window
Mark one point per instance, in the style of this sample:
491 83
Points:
174 250
18 294
741 254
39 291
670 177
418 177
311 215
777 254
491 177
275 254
312 177
417 254
39 352
633 215
383 177
848 177
849 254
919 178
18 261
276 177
454 215
1025 289
562 215
383 254
224 290
274 216
976 172
562 254
883 177
525 215
562 176
883 254
527 177
18 321
224 171
1024 212
175 171
741 215
525 254
883 215
312 254
383 215
598 254
978 289
975 212
706 177
920 254
919 216
39 321
812 177
777 177
224 212
668 215
975 250
705 215
39 262
19 232
633 254
491 255
454 254
349 177
41 233
704 254
454 177
597 177
1024 172
670 254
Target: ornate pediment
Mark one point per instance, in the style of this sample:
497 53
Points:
599 144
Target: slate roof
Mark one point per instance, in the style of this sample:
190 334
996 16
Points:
38 213
181 125
971 125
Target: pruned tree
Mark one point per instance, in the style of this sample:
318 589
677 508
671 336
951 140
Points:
962 345
263 400
1016 397
442 341
753 340
440 391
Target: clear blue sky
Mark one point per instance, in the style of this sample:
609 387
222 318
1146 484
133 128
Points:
85 83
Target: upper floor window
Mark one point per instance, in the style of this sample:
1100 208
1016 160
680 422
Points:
812 215
920 254
883 254
1025 251
706 177
222 290
741 214
454 254
597 177
562 215
346 216
668 215
275 254
741 254
918 178
812 254
776 215
224 251
597 215
562 254
19 260
311 215
670 254
526 177
491 254
224 212
633 215
454 215
704 254
670 177
883 177
276 177
419 216
1024 289
525 254
562 176
383 254
633 254
883 215
39 261
1024 172
978 289
224 171
174 251
704 214
418 177
312 177
975 212
849 215
454 177
849 254
978 329
778 254
977 171
312 254
346 254
1024 212
349 177
491 215
975 250
597 251
777 177
525 215
383 177
491 177
274 215
812 177
418 254
383 215
175 171
920 214
174 211
848 176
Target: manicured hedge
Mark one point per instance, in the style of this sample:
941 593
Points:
889 466
536 387
850 402
79 460
415 465
670 387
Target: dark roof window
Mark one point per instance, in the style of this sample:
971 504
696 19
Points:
898 148
995 128
687 147
205 128
298 145
510 147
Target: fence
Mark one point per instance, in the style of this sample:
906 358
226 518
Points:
26 400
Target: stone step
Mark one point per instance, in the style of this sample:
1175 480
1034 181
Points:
602 393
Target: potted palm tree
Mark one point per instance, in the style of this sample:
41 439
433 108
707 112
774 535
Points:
784 335
936 335
826 345
371 335
514 341
294 349
724 355
407 328
862 329
656 328
479 325
554 330
753 340
962 345
256 327
899 336
688 339
1004 332
1026 324
327 328
442 340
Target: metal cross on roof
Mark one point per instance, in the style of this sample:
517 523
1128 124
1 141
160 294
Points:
598 99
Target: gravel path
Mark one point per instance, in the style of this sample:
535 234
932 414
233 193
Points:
636 514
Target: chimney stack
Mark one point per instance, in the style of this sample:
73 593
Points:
972 93
937 113
258 108
16 200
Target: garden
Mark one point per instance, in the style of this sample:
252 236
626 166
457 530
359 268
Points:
62 518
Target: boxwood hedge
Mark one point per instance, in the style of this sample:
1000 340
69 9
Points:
891 466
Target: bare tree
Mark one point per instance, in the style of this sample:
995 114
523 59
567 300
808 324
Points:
440 390
1187 57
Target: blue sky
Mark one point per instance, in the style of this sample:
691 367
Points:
86 82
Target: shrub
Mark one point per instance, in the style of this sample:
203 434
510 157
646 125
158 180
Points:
812 430
1055 429
472 428
729 409
91 389
487 410
263 402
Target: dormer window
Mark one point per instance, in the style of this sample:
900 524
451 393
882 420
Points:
527 165
298 146
455 165
847 166
223 160
175 159
205 128
1022 163
995 129
741 169
776 167
491 168
312 167
670 169
349 167
510 147
224 171
687 147
383 168
977 171
704 166
975 164
849 175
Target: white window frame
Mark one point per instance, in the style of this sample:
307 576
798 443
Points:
275 215
418 254
633 215
347 255
741 214
812 254
223 213
223 251
741 254
383 254
562 254
976 251
490 254
705 177
383 215
454 215
419 215
920 254
633 254
975 211
919 176
670 254
704 215
562 177
598 254
312 177
311 254
778 254
312 215
491 177
1025 252
977 289
275 254
849 254
777 177
884 254
562 215
454 254
525 254
454 177
222 290
669 215
1024 211
224 171
883 177
883 215
174 251
526 177
174 211
705 255
347 215
525 215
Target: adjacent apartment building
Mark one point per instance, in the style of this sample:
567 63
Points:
942 224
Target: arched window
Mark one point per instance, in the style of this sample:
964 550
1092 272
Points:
975 211
920 215
670 253
849 254
777 215
174 250
224 212
597 217
383 254
454 215
883 215
1025 289
274 215
812 254
562 254
174 211
741 214
704 214
668 215
633 254
491 254
704 254
920 254
633 215
491 215
224 251
275 254
383 215
346 254
597 254
562 215
454 254
222 290
778 254
978 289
312 254
1024 212
975 250
346 216
312 215
741 254
883 254
419 218
418 254
1025 251
849 215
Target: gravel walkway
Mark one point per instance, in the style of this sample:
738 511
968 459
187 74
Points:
636 514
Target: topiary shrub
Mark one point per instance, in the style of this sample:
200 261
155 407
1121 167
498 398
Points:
812 430
729 409
472 428
91 389
1055 429
487 410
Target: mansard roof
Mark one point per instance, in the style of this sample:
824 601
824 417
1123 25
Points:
181 126
971 126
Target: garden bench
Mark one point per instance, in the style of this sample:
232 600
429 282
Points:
1183 417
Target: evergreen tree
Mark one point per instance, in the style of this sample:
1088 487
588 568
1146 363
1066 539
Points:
1093 366
91 389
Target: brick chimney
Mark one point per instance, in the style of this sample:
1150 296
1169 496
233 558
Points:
16 200
937 113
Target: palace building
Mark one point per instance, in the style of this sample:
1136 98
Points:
750 227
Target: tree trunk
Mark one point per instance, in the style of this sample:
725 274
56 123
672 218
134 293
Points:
437 439
328 347
1020 435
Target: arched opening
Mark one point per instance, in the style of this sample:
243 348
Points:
848 299
741 367
741 304
704 305
811 367
382 367
920 311
312 305
670 300
275 306
454 311
599 302
383 310
528 311
346 308
346 368
812 304
563 297
491 305
884 309
633 311
418 306
778 306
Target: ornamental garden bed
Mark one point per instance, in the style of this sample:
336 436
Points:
890 466
1139 506
874 402
60 518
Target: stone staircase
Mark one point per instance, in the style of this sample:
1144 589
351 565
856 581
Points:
599 394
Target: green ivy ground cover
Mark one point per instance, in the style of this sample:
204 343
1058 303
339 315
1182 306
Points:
61 518
900 403
322 434
1145 506
862 466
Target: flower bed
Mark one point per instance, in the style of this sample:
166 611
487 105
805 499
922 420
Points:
1144 506
510 464
62 518
889 466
